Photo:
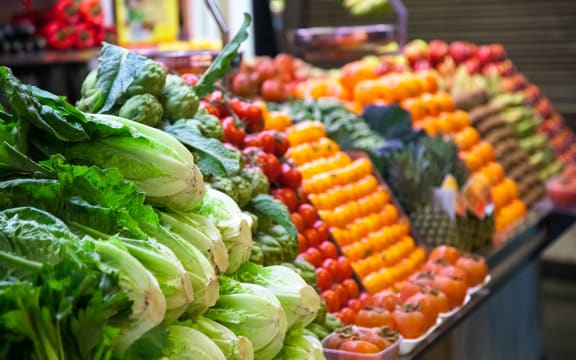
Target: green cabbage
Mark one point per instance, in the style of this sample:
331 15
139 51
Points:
234 347
251 311
186 343
201 233
299 300
299 346
157 163
232 223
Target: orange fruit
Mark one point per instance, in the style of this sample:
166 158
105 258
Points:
493 172
355 72
459 119
466 138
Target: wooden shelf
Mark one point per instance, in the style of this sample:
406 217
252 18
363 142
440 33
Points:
49 57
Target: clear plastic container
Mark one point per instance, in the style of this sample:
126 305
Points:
390 353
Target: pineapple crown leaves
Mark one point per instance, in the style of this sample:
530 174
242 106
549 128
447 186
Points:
413 171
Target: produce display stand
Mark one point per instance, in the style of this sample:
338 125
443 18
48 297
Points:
541 228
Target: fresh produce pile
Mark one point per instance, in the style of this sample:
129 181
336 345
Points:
119 243
67 24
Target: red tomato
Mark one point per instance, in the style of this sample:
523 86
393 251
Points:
428 305
309 214
328 250
190 79
270 166
302 243
347 315
312 237
447 253
252 140
210 109
273 90
359 347
332 266
332 300
342 293
323 279
313 256
267 140
365 298
374 317
232 134
475 267
410 322
297 221
455 290
323 230
351 288
287 196
385 299
344 267
355 304
290 177
282 144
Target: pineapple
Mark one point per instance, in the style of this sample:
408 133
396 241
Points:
434 226
474 233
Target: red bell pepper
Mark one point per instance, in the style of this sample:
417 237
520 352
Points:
66 11
84 37
58 35
91 11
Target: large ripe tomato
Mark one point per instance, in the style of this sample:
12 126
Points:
290 177
351 288
374 317
297 221
328 249
273 90
455 273
344 267
447 253
410 322
386 299
455 290
475 267
323 230
323 279
358 347
332 300
309 214
427 304
312 237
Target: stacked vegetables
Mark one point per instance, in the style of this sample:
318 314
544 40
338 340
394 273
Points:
111 220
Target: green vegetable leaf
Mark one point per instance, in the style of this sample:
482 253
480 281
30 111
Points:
117 68
46 116
212 157
266 204
221 65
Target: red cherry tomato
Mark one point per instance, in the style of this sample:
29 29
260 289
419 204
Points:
328 250
312 237
288 197
267 140
309 214
302 243
345 268
351 288
313 256
210 109
332 266
190 79
290 177
232 134
269 164
342 293
323 279
322 229
252 140
354 304
282 144
298 221
347 315
332 301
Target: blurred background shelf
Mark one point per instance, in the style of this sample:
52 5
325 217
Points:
48 58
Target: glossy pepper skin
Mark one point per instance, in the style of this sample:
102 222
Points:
59 35
91 11
84 37
66 11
